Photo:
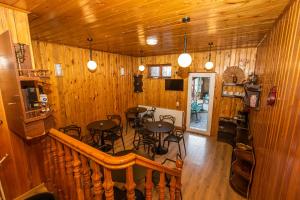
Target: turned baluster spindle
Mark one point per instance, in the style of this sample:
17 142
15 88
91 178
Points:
130 185
98 189
47 169
162 186
69 172
108 184
62 172
149 184
172 188
86 177
55 167
77 175
179 165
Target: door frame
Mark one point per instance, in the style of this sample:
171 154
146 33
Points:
212 81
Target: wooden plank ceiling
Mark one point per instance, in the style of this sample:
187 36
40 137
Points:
122 26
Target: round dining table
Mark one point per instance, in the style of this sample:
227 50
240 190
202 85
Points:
98 128
160 127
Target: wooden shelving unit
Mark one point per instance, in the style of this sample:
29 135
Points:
236 133
21 85
233 88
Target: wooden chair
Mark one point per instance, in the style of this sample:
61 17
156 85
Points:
115 133
72 130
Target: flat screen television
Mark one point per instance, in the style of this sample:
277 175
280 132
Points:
174 84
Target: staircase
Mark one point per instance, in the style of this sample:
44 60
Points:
75 170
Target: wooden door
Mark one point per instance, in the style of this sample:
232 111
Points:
10 86
7 168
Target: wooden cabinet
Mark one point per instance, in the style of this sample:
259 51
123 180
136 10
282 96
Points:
21 86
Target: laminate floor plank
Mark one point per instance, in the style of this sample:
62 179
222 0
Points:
205 174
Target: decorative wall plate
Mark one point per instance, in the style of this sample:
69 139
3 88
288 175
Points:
233 74
183 72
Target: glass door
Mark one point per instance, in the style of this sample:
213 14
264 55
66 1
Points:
200 102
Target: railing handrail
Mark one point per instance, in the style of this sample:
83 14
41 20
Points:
108 161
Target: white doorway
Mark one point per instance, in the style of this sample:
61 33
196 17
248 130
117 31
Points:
201 88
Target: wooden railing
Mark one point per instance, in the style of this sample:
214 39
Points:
75 170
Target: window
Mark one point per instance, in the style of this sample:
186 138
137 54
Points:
160 71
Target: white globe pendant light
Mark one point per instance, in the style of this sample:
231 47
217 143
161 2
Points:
91 64
209 64
141 68
185 59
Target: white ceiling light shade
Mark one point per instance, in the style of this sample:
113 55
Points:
151 40
184 60
209 64
141 68
91 64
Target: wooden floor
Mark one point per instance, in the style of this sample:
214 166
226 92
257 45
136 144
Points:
206 167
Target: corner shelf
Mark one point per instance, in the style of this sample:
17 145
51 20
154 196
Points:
240 85
232 96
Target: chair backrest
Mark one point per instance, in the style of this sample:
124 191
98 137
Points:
150 114
148 146
72 130
167 118
116 118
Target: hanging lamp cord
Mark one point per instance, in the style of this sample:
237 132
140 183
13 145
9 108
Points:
90 46
141 56
209 55
185 43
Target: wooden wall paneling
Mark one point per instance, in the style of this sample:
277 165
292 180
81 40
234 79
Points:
80 96
276 129
226 23
21 175
155 94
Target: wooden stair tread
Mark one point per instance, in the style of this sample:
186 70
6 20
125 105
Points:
239 184
36 190
242 170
